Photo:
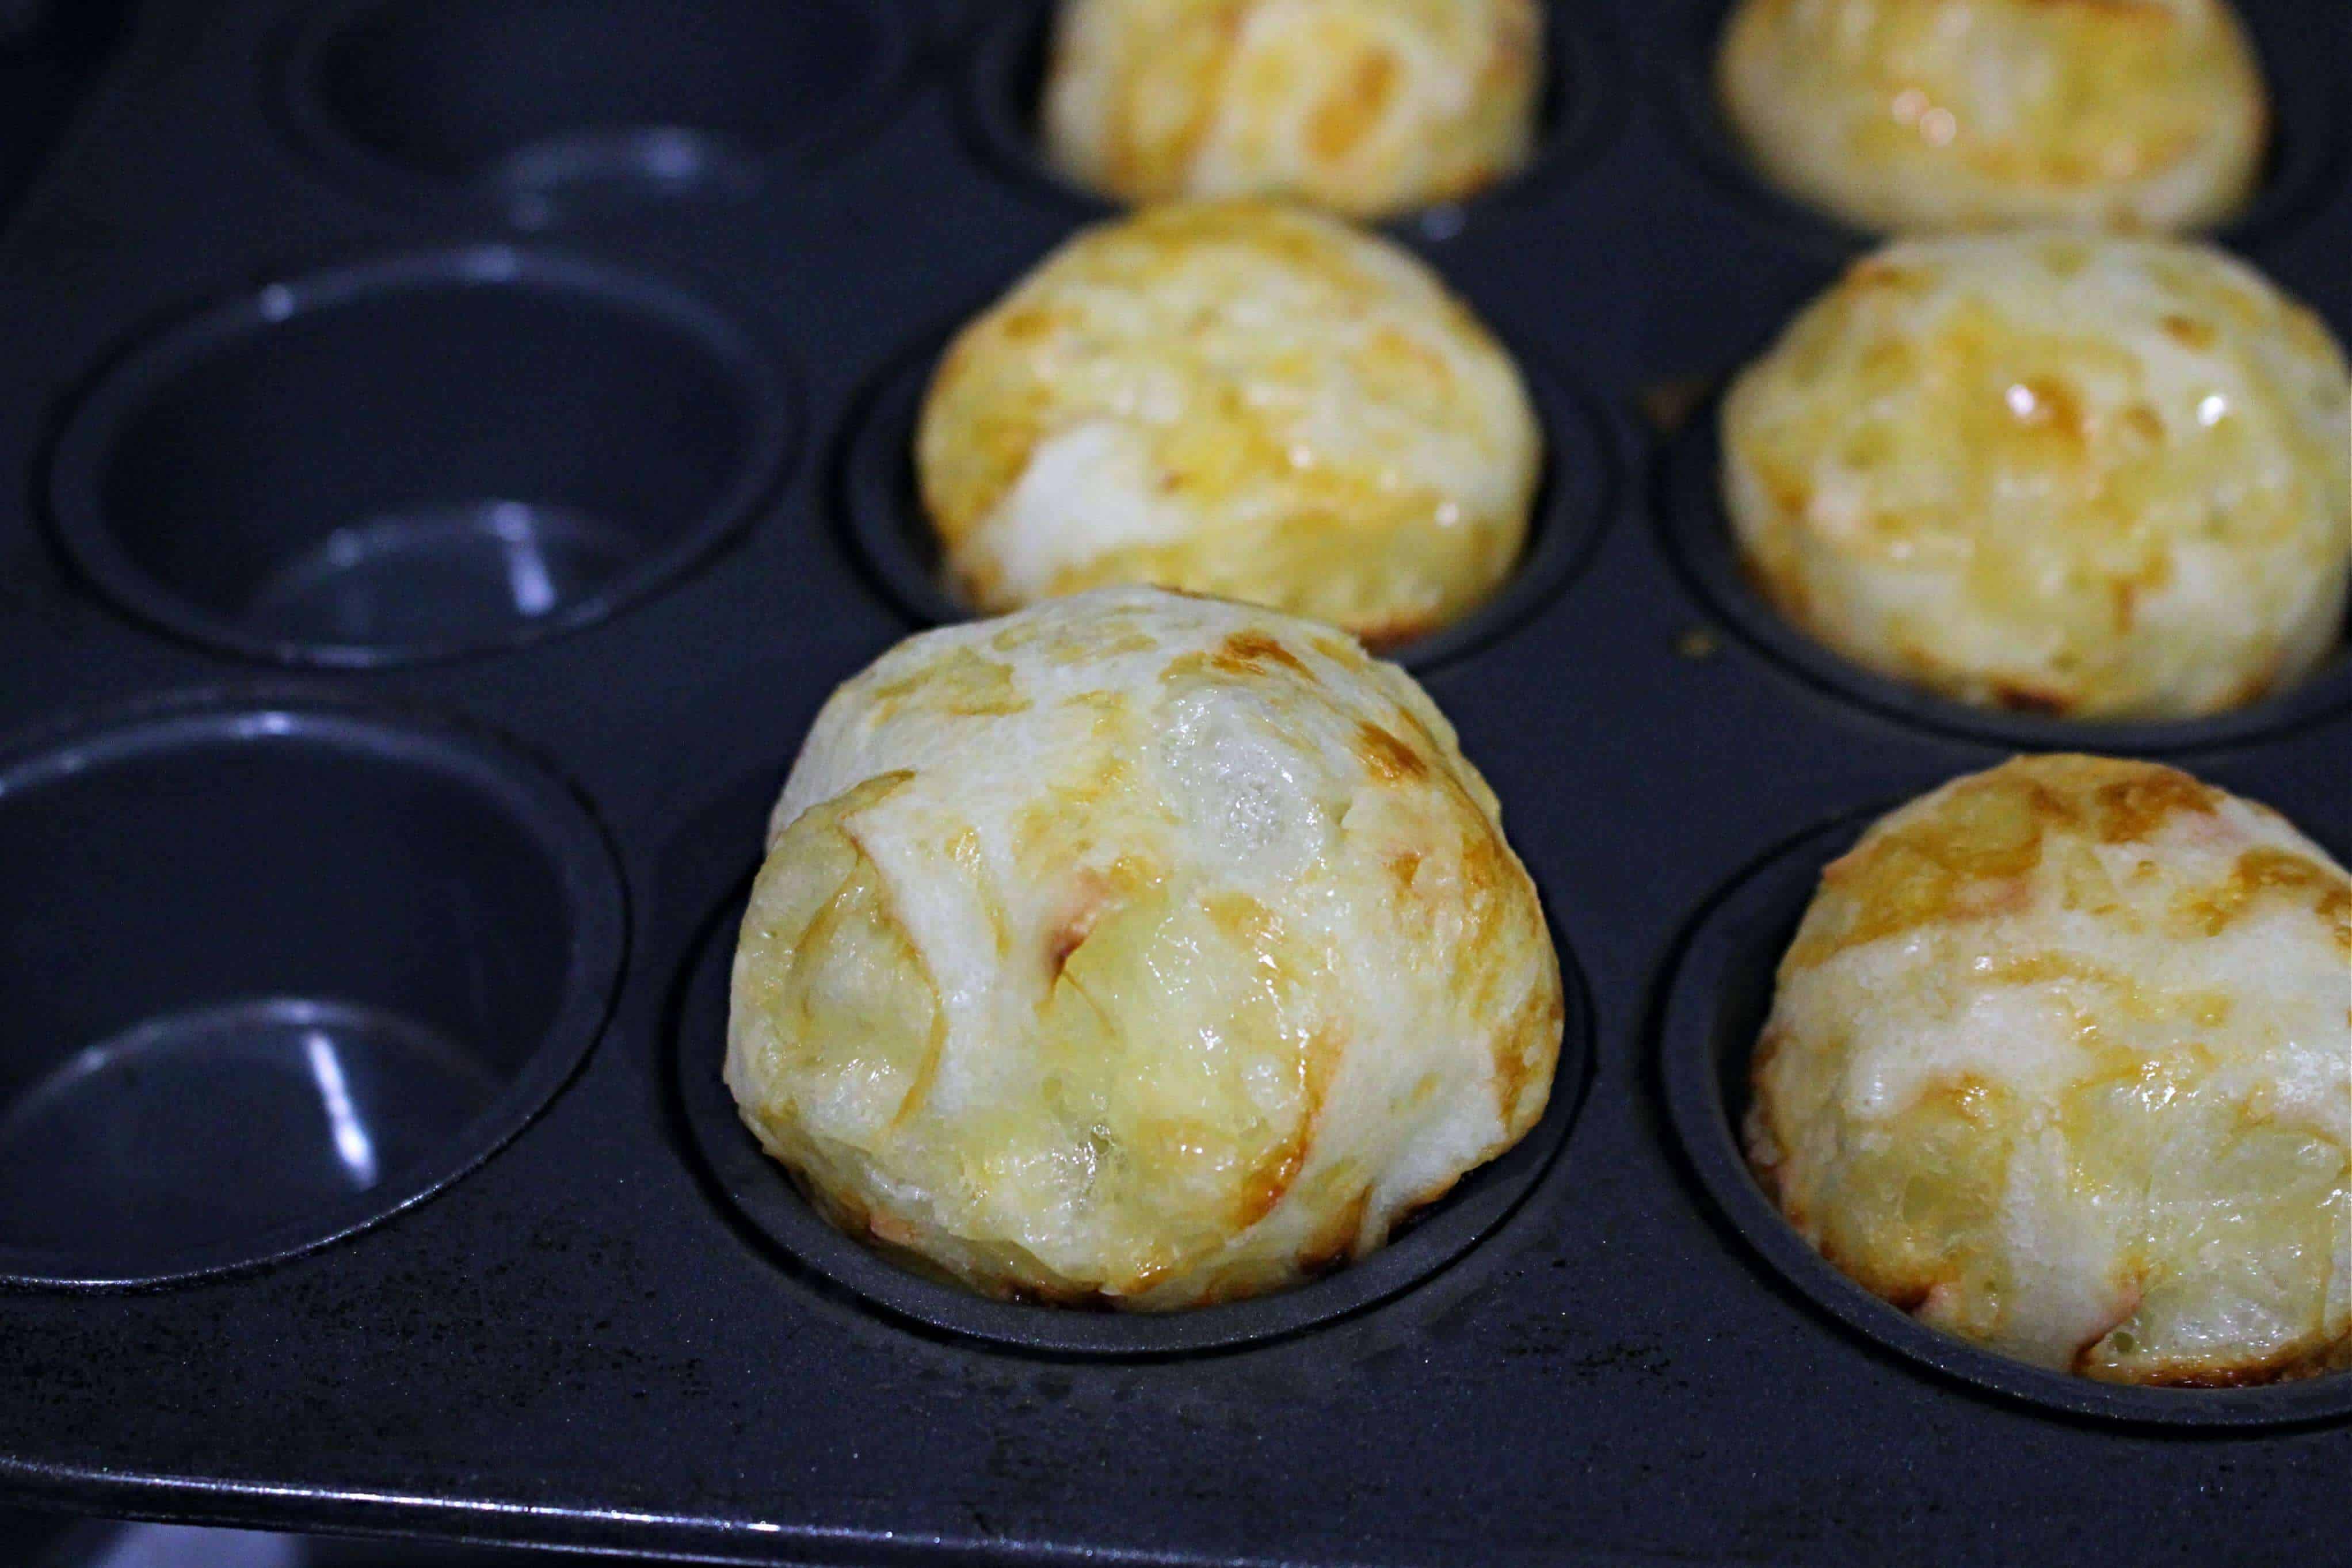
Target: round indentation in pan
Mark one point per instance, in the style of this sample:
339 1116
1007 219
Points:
541 109
418 457
1699 538
760 1190
1007 74
890 532
275 972
2302 65
1716 1007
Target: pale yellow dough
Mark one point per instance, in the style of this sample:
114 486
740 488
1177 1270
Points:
2095 478
1367 107
2059 1063
1247 400
1910 115
1138 949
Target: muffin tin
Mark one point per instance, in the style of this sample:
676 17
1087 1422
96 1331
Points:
451 471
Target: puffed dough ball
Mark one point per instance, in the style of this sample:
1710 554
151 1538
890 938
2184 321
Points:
1367 107
2099 478
2058 1063
1138 948
1934 114
1242 400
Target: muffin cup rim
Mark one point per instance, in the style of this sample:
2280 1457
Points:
122 380
549 812
300 35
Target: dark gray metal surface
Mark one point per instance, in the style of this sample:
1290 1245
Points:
579 1343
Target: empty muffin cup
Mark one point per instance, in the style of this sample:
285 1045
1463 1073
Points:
890 532
417 457
542 108
1716 1007
1006 78
1698 538
273 974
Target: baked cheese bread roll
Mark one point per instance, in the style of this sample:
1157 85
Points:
2059 1063
1238 399
2096 477
1137 949
1368 107
1934 114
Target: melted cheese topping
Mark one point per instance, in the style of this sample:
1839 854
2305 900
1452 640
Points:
1247 401
2106 478
2061 1061
1367 107
1926 114
1140 948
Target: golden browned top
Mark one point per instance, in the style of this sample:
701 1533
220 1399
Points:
1137 948
2091 477
2062 1059
1366 107
1976 854
1925 114
1242 400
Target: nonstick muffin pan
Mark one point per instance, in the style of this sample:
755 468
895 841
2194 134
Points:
449 474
